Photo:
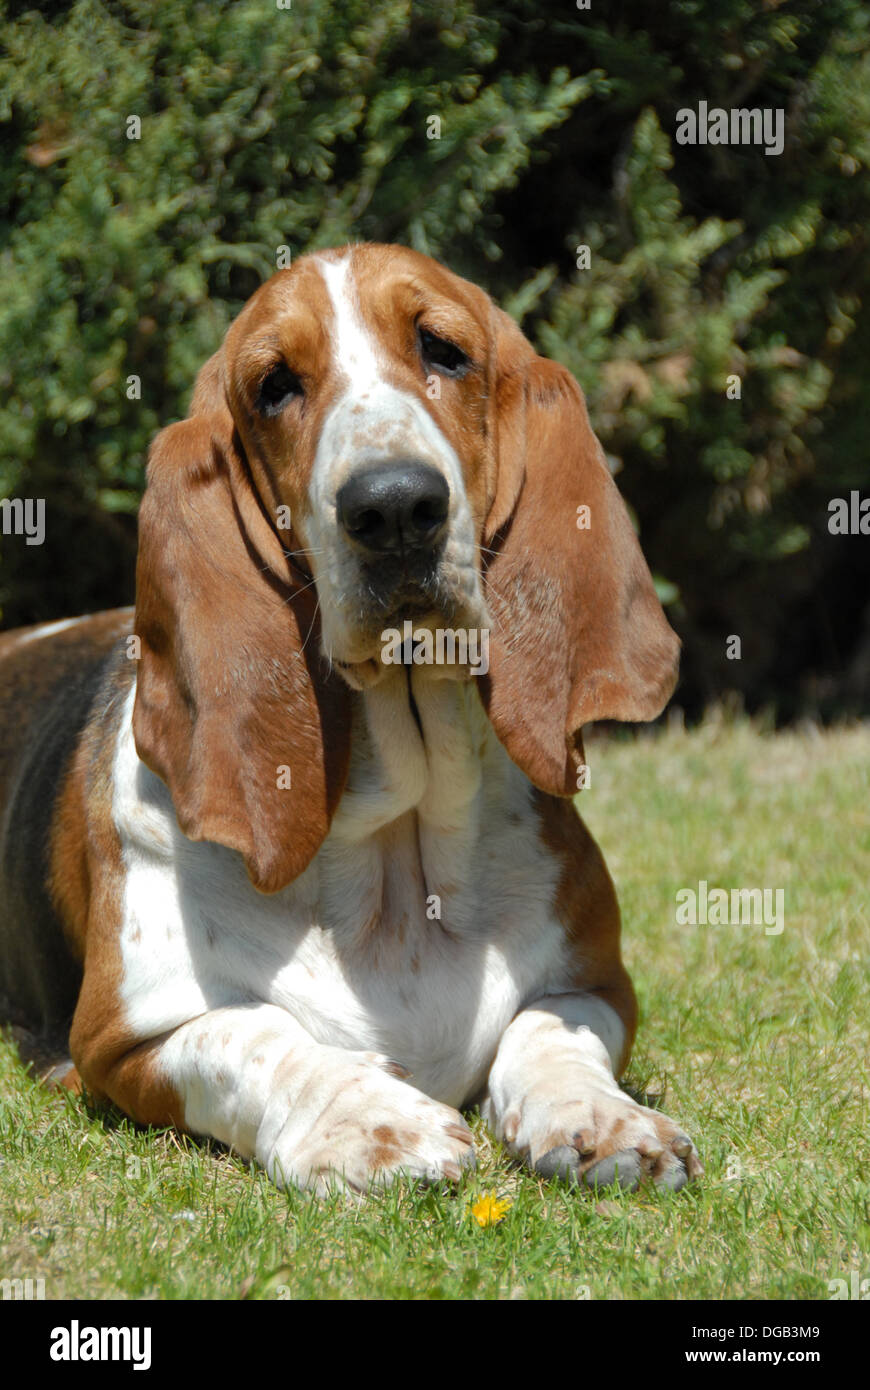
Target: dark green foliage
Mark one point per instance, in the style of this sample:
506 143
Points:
307 127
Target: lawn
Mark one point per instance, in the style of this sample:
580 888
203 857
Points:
756 1041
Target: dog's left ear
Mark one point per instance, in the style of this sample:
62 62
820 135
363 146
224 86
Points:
235 708
578 633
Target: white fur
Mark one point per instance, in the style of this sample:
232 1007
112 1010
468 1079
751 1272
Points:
373 422
348 948
348 956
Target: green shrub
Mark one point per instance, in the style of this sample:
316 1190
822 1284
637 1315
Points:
307 127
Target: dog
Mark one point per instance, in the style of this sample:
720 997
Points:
265 883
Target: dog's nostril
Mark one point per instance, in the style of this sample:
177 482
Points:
428 513
398 508
365 522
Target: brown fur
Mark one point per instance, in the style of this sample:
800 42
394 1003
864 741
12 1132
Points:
578 632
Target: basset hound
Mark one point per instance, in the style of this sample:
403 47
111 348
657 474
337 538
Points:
271 886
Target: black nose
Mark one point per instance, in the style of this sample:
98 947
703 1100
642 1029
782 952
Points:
399 508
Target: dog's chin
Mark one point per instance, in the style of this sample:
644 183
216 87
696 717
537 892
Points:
361 675
361 663
365 675
360 660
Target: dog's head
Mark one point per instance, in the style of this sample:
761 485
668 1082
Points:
375 441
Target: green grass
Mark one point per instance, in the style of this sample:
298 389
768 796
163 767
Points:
756 1042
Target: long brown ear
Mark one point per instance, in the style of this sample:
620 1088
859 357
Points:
231 686
578 633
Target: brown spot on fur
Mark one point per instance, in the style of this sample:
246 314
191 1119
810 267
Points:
384 1134
383 1157
391 1146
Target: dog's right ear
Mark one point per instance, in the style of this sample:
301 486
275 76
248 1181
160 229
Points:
578 633
235 707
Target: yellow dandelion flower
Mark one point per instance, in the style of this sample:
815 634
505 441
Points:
489 1209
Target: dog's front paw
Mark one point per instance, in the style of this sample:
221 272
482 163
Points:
603 1139
372 1129
570 1120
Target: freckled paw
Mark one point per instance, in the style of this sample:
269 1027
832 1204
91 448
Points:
600 1138
375 1132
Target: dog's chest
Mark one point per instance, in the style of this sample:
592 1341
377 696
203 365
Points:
418 930
429 968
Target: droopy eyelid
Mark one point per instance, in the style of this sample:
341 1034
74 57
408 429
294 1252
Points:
442 341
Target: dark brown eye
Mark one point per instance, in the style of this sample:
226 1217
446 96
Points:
443 355
278 387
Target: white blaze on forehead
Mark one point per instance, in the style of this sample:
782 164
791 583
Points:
373 422
354 351
370 419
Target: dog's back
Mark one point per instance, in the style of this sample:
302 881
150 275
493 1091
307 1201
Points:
50 676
